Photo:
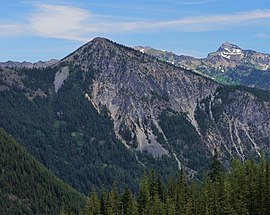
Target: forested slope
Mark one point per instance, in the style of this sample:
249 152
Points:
27 187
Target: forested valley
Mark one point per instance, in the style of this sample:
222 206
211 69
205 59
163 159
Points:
27 187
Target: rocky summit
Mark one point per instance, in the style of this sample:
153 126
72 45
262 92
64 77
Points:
118 109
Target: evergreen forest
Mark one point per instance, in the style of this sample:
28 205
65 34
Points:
27 187
245 189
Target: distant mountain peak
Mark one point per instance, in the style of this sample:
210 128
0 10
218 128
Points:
228 46
230 51
230 63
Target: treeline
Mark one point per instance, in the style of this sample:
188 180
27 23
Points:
243 190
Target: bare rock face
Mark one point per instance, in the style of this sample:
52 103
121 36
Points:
60 77
237 122
137 88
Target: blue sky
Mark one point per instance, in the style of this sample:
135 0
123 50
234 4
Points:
41 30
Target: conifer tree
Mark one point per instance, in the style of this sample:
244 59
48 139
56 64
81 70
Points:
252 183
160 187
267 186
261 185
157 206
128 203
191 208
181 192
103 200
238 181
152 186
170 206
144 197
112 202
93 204
216 168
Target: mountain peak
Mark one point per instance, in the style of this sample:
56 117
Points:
228 46
230 51
100 39
97 41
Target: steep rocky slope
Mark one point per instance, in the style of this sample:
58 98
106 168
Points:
118 111
136 88
229 64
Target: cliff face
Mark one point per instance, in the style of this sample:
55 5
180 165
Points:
236 121
137 89
105 92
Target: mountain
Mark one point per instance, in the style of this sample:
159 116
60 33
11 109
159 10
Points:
39 64
107 113
229 64
27 187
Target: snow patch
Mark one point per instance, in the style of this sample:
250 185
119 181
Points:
228 53
142 50
225 55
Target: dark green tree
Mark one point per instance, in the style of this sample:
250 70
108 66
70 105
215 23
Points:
144 198
216 168
128 203
93 204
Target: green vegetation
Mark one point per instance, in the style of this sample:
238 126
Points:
27 187
240 75
263 95
184 139
243 190
66 133
249 77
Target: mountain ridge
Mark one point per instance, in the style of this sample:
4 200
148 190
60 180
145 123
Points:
29 65
229 65
118 110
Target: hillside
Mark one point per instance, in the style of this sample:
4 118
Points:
107 113
27 187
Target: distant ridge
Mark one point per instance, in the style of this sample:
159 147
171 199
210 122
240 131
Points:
230 64
28 65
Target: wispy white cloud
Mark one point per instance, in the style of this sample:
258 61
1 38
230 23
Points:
10 29
59 21
198 2
73 23
213 22
263 35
